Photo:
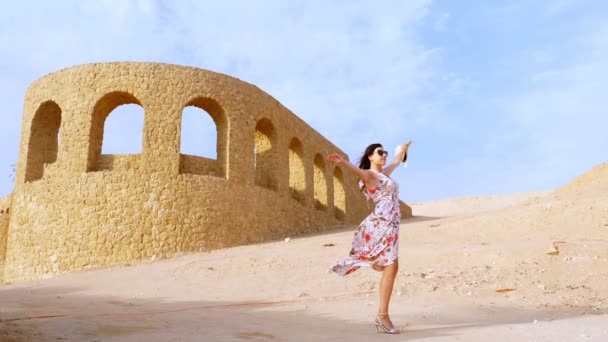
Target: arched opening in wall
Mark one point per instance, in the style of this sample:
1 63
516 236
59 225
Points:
198 133
339 194
123 130
115 139
297 177
320 185
203 138
44 140
265 158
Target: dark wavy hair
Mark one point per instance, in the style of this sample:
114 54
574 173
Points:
364 162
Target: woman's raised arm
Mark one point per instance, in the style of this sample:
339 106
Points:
367 176
401 150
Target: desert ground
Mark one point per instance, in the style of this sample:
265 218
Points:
518 267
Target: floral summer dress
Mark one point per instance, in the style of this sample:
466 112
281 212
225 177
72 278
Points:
375 241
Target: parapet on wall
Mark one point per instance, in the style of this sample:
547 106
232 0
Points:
75 208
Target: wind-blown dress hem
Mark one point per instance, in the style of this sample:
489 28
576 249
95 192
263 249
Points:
375 242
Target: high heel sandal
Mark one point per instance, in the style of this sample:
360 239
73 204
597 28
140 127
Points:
379 325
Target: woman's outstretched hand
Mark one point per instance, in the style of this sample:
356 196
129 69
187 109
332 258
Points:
404 147
335 158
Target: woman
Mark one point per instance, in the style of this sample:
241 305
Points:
375 243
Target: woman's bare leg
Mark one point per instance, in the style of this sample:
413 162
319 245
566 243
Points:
378 268
386 289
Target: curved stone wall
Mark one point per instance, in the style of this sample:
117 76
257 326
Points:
74 208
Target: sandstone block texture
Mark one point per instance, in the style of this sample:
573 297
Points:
5 203
75 208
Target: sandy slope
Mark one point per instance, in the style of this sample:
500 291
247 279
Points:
455 254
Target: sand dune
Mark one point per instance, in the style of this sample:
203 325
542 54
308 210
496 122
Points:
593 181
528 266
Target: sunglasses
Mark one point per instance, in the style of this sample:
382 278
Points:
381 153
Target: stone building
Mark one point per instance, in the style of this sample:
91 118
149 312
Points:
74 208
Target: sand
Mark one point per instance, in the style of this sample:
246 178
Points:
519 267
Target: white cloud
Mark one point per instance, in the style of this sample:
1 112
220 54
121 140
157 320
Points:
359 73
347 68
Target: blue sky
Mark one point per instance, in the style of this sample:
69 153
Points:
498 97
